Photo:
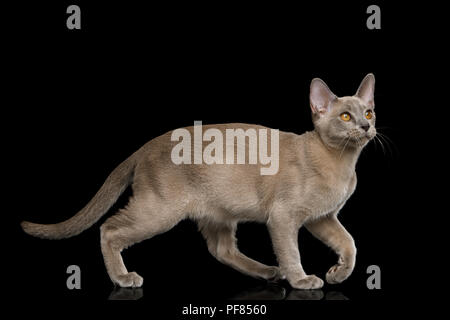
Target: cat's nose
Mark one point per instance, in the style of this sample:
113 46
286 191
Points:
365 127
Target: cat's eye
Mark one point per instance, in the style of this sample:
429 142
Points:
369 114
346 116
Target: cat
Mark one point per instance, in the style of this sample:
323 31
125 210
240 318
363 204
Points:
315 179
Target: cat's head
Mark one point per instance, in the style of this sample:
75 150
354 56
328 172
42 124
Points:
348 121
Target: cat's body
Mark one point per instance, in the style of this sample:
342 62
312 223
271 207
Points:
316 177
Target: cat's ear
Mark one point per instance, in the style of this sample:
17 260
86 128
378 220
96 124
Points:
366 90
320 97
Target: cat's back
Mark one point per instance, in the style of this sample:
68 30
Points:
197 133
197 138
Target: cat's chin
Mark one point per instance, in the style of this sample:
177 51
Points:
360 142
368 137
355 142
348 143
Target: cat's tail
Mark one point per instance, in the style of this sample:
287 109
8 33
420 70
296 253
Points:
114 186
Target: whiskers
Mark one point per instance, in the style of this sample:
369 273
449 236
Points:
346 139
359 141
387 145
354 137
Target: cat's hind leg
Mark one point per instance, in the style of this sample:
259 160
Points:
222 244
140 220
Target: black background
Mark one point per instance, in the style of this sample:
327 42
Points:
84 100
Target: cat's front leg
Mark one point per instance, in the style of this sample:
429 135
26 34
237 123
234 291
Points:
284 234
331 232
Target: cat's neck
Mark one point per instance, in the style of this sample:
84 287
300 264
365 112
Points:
344 158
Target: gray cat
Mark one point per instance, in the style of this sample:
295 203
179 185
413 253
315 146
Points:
316 177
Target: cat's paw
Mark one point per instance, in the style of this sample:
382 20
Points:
308 282
338 273
273 274
131 279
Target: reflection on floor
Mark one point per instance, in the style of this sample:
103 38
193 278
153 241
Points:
119 293
270 291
